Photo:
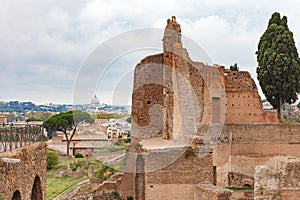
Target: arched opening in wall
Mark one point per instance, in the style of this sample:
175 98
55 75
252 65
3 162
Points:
16 195
36 193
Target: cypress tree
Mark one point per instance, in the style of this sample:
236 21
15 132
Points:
278 70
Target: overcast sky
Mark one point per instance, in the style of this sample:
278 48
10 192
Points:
43 44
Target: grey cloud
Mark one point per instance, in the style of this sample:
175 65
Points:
44 43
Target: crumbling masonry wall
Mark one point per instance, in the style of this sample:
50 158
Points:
163 86
243 101
26 178
209 191
283 184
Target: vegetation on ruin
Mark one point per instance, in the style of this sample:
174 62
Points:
278 68
59 182
239 188
79 155
234 67
189 152
104 173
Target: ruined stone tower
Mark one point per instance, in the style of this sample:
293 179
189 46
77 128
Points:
163 86
173 95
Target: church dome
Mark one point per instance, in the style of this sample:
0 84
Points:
95 101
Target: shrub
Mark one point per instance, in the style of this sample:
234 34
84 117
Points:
116 195
127 140
189 152
104 173
52 159
79 163
79 155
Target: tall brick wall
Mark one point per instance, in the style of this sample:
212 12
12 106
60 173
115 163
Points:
28 177
243 101
163 86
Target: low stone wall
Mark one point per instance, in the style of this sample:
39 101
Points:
26 179
98 196
178 177
211 192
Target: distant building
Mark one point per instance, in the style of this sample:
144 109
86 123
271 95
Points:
267 106
95 102
291 107
3 119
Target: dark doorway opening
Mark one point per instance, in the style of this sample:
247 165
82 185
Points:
17 195
214 175
216 110
36 193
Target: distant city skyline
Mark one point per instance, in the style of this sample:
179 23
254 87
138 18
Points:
43 44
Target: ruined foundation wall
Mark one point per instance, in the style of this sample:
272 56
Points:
290 179
179 177
241 147
211 192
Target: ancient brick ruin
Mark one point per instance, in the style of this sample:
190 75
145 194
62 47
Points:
26 179
198 129
172 81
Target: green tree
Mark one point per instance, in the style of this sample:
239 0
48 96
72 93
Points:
128 119
38 115
234 67
67 123
32 119
298 105
278 68
52 159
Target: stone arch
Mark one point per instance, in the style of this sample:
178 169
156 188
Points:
36 192
16 195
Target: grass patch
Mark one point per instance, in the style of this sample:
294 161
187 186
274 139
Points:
58 181
56 186
121 146
286 119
